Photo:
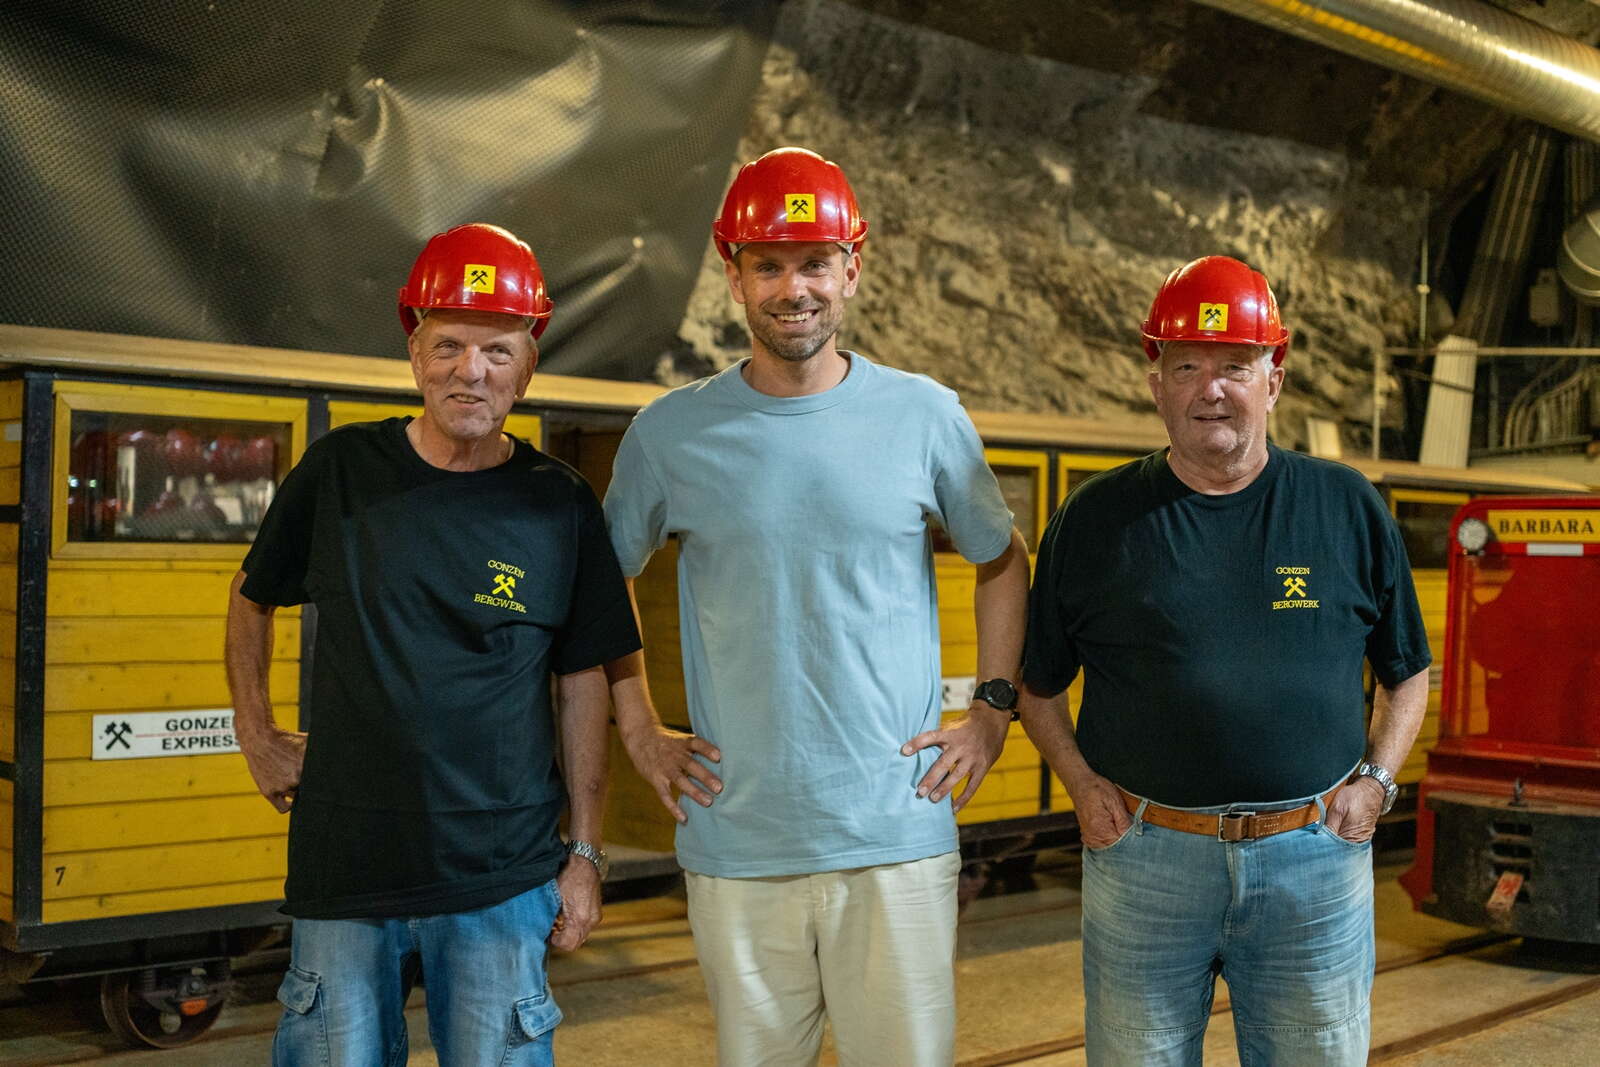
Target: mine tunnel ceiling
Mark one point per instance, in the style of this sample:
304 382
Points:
1220 70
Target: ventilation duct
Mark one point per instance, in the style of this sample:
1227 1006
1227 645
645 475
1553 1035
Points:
1579 261
1465 45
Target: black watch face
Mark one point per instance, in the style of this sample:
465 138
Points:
999 693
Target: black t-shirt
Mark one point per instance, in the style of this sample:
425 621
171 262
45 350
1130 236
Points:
1221 637
445 600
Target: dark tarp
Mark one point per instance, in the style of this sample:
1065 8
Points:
264 173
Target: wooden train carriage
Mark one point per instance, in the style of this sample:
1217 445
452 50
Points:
131 473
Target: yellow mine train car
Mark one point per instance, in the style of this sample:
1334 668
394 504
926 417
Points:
133 844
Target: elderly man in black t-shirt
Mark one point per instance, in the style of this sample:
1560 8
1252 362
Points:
455 569
1220 596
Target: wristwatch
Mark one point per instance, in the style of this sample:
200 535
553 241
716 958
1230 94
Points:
998 694
1383 778
593 854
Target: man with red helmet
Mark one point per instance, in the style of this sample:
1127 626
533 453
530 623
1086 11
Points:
1220 596
455 570
821 864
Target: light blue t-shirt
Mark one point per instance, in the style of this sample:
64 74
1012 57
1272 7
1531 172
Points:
807 608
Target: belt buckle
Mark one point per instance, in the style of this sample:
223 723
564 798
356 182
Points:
1231 825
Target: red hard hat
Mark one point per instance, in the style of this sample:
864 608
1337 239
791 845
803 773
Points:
1215 299
789 194
477 267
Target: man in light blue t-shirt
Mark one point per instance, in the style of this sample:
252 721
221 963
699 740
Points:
822 859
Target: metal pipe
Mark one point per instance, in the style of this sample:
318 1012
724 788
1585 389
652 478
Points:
1465 45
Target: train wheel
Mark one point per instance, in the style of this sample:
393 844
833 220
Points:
156 1021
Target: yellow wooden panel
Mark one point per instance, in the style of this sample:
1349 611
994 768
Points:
160 900
8 735
8 911
11 400
132 686
10 485
959 658
657 593
956 585
70 734
6 816
127 591
343 412
1431 586
8 542
81 781
8 588
1016 783
132 870
127 640
8 866
90 827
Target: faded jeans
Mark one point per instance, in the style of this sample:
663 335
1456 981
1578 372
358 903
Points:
488 998
1285 919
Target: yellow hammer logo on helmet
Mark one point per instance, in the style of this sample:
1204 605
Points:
479 277
1213 316
800 207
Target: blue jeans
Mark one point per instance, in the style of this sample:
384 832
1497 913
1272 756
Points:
488 998
1286 920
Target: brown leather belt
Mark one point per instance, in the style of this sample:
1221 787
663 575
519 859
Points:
1232 825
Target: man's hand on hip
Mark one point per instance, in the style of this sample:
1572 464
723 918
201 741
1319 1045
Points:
1102 813
275 758
1353 812
579 883
970 746
666 759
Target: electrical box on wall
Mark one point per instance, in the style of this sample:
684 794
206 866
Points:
1544 299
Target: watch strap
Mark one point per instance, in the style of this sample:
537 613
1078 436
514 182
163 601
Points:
1381 775
998 693
594 855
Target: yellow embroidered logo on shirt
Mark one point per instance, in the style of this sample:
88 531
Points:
1213 316
1295 592
479 277
504 577
800 207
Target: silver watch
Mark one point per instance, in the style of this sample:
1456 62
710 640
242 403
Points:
1383 778
593 854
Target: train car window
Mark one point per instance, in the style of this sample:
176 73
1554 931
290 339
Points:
1075 469
135 477
1425 528
1022 483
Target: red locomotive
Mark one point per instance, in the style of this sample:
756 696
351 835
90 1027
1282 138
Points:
1508 814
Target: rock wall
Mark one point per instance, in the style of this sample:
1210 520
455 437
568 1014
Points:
1023 212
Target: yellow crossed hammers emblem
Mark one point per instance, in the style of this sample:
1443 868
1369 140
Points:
1294 587
505 585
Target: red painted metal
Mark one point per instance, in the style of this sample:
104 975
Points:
1520 704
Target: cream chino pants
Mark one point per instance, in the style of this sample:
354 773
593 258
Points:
872 949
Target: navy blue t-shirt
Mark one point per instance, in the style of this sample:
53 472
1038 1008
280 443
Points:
1221 637
445 601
